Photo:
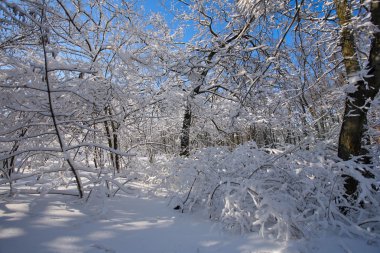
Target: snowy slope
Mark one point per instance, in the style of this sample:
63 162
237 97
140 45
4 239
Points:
134 224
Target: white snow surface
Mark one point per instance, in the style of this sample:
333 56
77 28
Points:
136 223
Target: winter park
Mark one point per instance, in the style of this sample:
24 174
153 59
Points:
189 126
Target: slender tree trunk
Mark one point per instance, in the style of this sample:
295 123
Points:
185 135
111 131
10 162
373 78
116 147
44 39
109 140
115 141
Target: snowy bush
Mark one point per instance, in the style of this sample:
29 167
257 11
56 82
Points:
290 192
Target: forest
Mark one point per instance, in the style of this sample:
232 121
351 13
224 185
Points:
263 116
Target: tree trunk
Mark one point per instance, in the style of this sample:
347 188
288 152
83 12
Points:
113 142
185 135
62 144
357 102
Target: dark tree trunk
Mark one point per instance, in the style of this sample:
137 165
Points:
358 102
116 147
355 114
10 162
60 137
113 142
185 135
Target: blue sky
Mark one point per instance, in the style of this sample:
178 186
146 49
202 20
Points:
162 7
153 5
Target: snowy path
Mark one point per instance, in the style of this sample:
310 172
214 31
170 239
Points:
131 224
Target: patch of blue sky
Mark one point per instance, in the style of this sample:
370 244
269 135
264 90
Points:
164 8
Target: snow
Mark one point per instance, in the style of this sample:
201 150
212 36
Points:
264 128
136 223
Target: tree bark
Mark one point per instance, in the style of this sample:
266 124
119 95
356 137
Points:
357 102
353 119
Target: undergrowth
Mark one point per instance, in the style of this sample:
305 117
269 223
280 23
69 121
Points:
283 193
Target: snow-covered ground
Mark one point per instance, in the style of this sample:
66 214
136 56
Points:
136 223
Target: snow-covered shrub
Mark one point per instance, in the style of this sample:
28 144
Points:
285 193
